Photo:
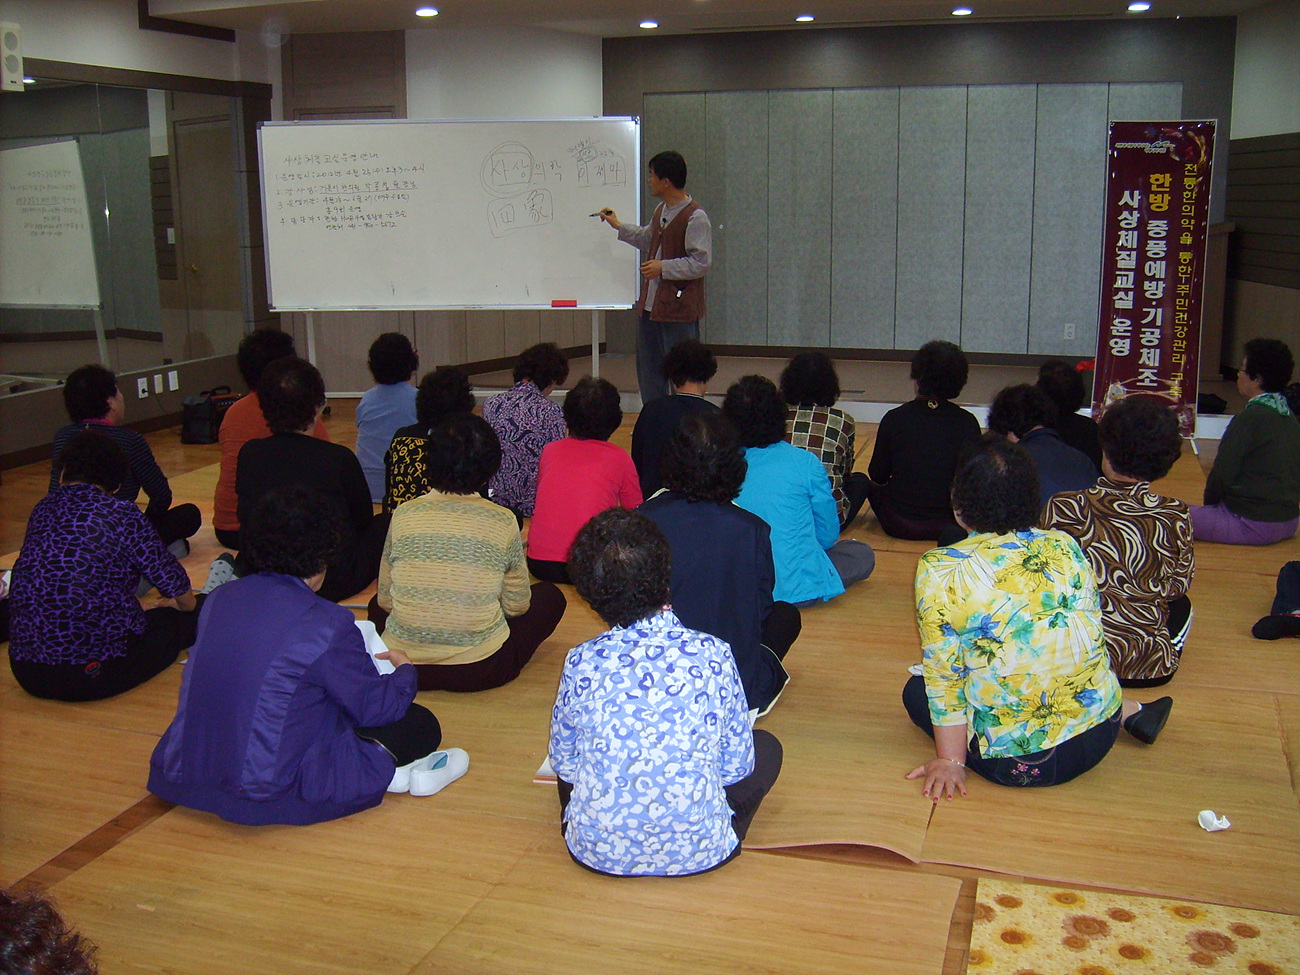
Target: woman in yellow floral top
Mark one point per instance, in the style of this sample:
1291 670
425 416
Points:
1017 685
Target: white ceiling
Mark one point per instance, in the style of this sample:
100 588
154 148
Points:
619 18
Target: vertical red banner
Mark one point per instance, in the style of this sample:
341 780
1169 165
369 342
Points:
1153 263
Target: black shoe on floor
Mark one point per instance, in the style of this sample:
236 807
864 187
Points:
1147 724
1276 626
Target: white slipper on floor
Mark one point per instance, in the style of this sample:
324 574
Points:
445 768
402 774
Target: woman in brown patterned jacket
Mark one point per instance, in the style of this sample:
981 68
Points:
1139 543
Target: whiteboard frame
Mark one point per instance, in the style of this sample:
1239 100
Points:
266 235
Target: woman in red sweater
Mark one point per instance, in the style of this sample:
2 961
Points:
579 477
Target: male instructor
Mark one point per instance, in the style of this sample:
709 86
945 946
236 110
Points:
679 242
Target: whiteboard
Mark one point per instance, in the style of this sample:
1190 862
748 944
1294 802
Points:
47 257
400 214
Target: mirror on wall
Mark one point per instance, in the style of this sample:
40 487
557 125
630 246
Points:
119 229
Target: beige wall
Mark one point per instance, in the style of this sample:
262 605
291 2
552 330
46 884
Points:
1261 311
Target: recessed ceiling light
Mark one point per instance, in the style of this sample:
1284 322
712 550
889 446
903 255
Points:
426 12
649 24
962 12
1138 6
804 19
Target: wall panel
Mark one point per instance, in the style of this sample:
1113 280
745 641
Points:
999 217
931 185
799 220
864 234
1069 189
736 200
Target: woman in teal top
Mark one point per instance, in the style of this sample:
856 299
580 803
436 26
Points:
787 487
1017 682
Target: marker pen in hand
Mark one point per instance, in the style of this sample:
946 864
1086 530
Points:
601 213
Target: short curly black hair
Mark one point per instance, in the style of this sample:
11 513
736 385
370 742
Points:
463 453
756 410
542 365
86 392
442 392
292 530
392 359
1063 386
703 459
259 347
995 486
620 564
1269 361
689 361
35 939
940 370
91 457
1018 409
592 409
290 393
1139 436
810 380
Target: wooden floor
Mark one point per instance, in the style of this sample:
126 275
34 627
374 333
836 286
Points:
847 867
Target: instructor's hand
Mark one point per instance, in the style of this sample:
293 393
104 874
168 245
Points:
652 269
611 218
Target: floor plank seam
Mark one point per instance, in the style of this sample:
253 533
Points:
147 810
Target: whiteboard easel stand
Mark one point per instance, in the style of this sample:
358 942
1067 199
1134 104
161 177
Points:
101 340
595 344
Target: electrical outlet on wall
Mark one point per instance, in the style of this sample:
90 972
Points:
142 386
157 383
173 380
1069 330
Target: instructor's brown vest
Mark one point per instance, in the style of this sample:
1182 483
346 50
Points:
676 301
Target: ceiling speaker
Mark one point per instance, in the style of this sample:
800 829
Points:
11 58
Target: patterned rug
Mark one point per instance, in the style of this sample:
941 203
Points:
1027 929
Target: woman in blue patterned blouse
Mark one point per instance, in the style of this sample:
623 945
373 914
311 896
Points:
659 772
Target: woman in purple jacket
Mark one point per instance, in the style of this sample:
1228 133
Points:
283 717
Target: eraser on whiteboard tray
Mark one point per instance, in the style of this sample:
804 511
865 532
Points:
564 303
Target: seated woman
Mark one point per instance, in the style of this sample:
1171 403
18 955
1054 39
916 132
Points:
77 630
688 367
722 554
93 401
1138 543
579 476
244 422
787 487
442 392
1024 415
386 406
1018 686
526 420
292 394
1064 387
658 771
1252 493
453 588
917 447
283 716
811 387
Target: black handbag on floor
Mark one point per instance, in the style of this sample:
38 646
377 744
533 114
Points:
201 415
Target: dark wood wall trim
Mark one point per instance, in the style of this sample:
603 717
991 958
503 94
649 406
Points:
125 78
1264 201
149 22
508 362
